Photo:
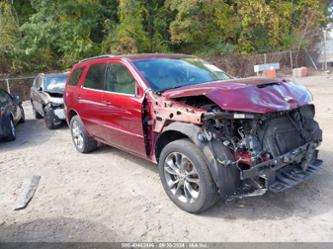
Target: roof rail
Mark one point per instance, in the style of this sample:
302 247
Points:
97 57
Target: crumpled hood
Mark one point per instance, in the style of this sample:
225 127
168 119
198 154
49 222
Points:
54 97
256 95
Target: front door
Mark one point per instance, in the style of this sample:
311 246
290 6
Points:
122 113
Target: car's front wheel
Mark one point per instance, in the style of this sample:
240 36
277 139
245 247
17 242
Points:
12 130
185 176
81 140
50 119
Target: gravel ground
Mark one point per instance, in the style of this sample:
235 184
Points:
109 195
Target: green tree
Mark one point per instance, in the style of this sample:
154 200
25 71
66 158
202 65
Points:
54 34
8 34
129 35
203 24
157 18
61 32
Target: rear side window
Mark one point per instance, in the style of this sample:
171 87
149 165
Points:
95 76
4 98
75 77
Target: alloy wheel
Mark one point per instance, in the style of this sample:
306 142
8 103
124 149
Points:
77 135
182 177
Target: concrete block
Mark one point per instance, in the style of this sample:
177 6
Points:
300 72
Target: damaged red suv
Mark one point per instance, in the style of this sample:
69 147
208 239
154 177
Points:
212 136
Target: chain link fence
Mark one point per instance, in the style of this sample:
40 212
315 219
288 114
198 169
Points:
17 85
235 64
240 65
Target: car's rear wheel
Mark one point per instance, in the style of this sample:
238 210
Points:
185 176
12 130
81 140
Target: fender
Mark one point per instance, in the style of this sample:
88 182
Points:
226 178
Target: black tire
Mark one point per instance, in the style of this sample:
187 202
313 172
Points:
22 120
51 120
88 143
207 196
12 130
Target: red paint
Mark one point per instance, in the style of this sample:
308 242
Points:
244 94
117 119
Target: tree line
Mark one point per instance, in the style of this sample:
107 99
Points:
39 35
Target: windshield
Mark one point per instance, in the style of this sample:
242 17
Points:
166 73
55 83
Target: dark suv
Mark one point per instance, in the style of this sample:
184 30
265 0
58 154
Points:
211 135
11 113
46 97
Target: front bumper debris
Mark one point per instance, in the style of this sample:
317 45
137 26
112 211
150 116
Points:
302 154
292 175
59 113
283 172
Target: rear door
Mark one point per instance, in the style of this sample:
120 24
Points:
3 104
89 98
122 114
71 90
7 106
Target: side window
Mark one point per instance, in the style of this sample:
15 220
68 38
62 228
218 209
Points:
38 82
95 76
3 98
119 80
75 77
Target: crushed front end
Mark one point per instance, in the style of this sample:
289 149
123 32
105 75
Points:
272 151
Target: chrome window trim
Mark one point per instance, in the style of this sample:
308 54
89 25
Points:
105 91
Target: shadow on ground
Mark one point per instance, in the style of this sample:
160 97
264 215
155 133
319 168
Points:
32 132
310 198
61 229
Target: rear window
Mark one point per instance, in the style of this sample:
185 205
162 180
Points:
95 77
75 77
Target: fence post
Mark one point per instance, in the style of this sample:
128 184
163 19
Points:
7 83
291 59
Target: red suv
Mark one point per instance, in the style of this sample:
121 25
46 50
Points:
211 135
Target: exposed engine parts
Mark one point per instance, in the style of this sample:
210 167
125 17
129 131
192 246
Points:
263 144
250 153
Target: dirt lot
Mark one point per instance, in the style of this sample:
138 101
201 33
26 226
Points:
110 195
